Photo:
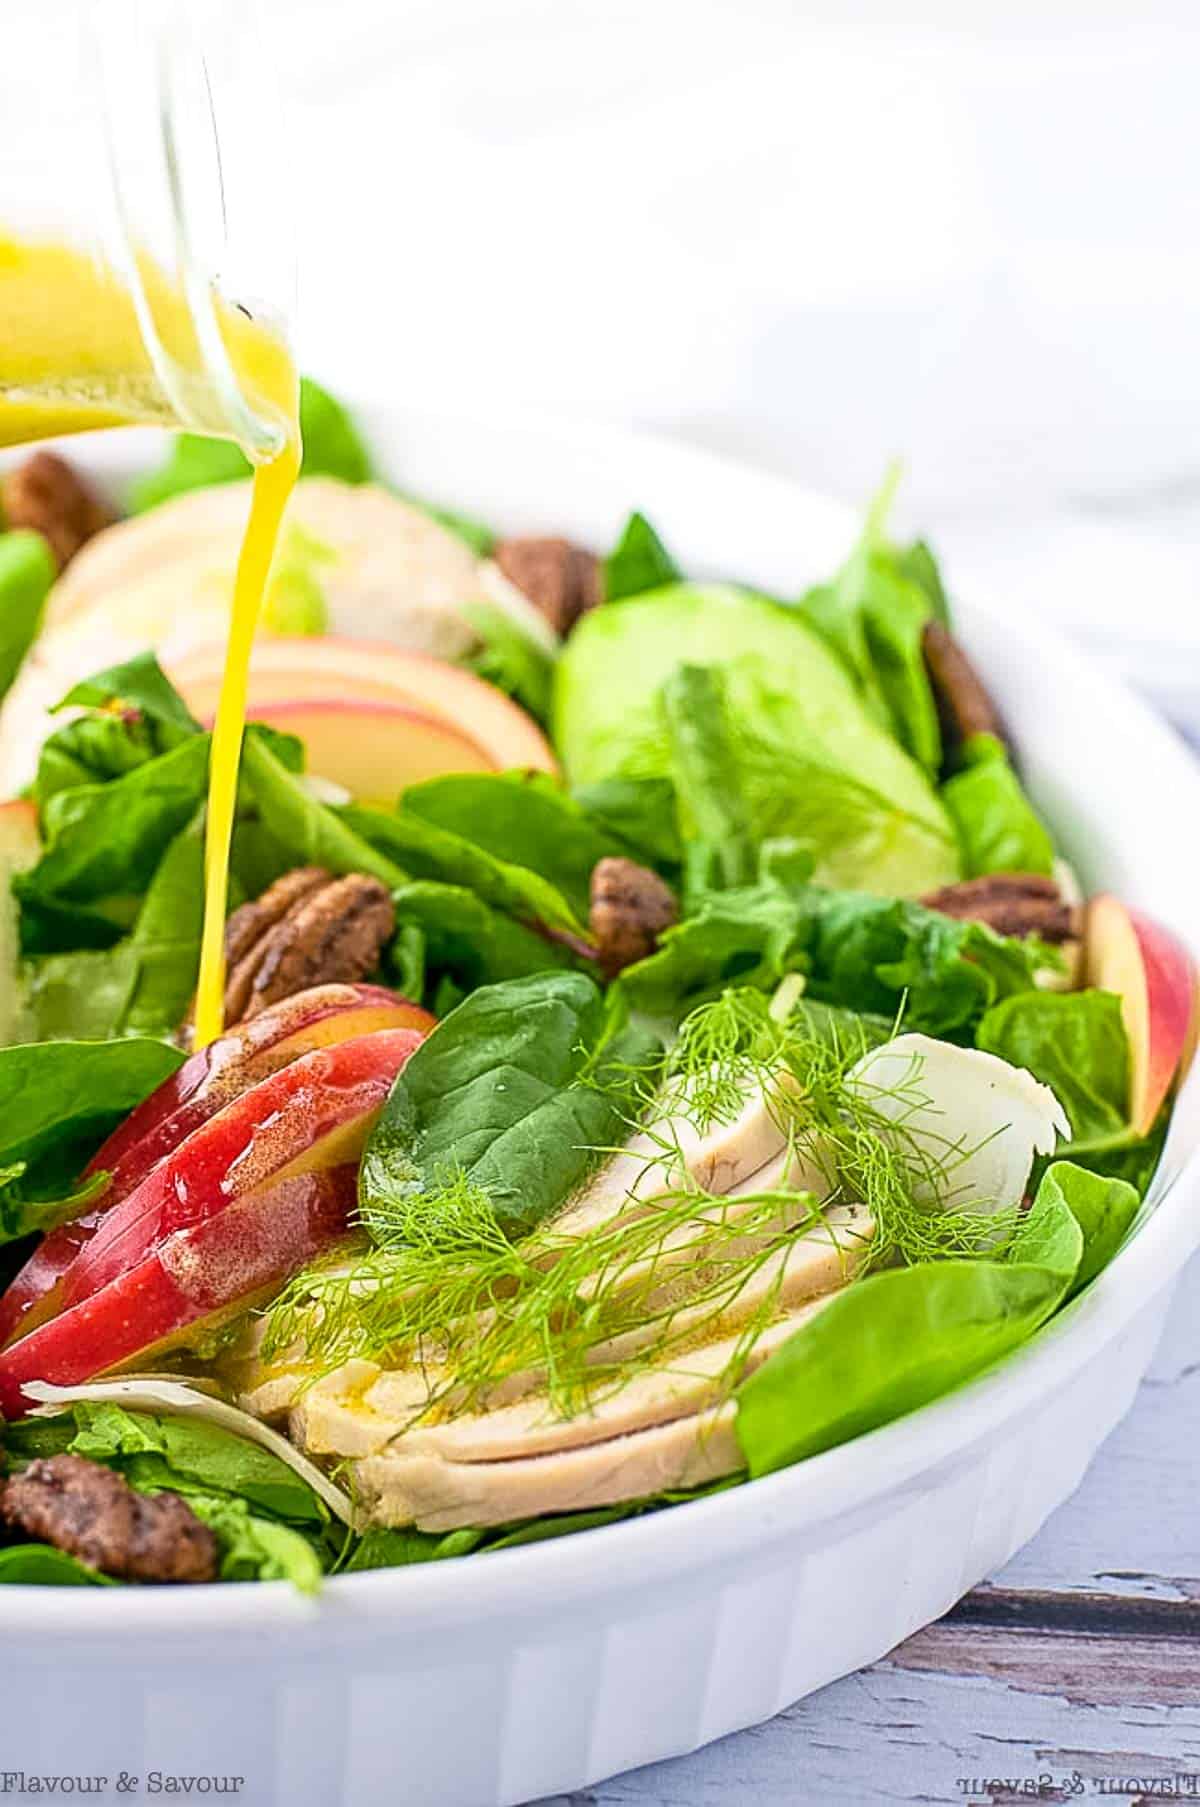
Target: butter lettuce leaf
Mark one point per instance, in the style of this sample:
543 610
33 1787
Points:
1074 1042
998 828
896 1340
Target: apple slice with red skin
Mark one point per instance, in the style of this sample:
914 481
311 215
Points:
1155 978
334 668
192 1281
375 750
202 1086
313 1114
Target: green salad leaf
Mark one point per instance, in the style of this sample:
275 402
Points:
467 942
332 448
106 840
873 615
55 1092
901 1338
1074 1042
40 1565
882 956
714 819
268 1523
998 828
138 684
27 570
519 1089
419 847
58 1101
523 819
511 660
641 817
309 832
638 562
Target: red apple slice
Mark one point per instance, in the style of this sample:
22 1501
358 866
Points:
333 669
200 1088
193 1280
313 1114
1153 975
375 750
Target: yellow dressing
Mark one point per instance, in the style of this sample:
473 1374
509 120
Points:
73 356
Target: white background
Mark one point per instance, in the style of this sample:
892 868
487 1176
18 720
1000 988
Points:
818 235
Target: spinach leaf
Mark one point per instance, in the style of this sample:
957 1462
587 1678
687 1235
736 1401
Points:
511 660
309 832
997 826
41 1565
28 1206
77 1091
27 570
143 984
381 1548
639 561
105 840
521 818
465 940
418 846
332 448
1074 1042
139 684
640 814
92 750
714 820
518 1090
896 1340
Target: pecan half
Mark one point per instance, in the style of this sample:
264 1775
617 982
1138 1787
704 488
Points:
307 929
48 494
964 704
1012 903
630 908
559 578
95 1515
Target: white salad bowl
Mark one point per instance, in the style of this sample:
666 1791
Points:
501 1678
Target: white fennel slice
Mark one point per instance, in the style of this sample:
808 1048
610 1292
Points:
968 1123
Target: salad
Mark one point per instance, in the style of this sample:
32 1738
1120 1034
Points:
663 1039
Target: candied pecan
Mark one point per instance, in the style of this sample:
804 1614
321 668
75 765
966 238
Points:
308 929
963 704
631 906
559 578
48 494
1012 903
95 1515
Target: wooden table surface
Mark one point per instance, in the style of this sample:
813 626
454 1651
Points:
1072 1675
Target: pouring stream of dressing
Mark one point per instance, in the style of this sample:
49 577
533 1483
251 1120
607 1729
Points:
73 356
